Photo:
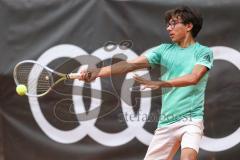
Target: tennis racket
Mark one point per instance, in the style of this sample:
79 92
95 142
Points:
39 79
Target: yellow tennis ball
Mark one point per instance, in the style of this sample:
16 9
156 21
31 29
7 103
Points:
21 89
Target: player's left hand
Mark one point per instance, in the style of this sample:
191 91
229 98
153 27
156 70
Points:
147 83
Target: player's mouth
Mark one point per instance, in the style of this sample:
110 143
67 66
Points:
171 35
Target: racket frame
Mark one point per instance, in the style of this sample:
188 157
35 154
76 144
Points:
62 75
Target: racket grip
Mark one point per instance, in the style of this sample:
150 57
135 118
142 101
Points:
76 76
73 76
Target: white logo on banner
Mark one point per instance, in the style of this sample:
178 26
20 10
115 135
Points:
135 128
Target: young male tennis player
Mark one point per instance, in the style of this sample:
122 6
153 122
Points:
188 64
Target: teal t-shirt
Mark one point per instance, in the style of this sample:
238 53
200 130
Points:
181 103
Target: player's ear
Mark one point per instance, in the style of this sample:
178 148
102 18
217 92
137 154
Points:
189 26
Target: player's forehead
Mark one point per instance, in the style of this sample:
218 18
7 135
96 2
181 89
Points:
175 18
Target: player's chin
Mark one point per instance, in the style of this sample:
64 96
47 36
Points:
173 40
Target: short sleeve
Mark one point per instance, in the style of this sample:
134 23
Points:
205 57
154 55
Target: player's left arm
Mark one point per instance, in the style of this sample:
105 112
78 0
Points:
189 79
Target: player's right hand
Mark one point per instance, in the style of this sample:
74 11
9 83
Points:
88 75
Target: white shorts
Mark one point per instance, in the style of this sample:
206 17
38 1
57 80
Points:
167 140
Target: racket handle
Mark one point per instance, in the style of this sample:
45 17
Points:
76 75
73 76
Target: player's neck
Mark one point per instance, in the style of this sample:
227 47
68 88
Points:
187 41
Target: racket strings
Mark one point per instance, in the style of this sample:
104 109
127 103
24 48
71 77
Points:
37 79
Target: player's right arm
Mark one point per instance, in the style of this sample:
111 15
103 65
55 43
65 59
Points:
119 68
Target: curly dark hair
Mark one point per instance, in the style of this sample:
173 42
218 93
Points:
187 15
